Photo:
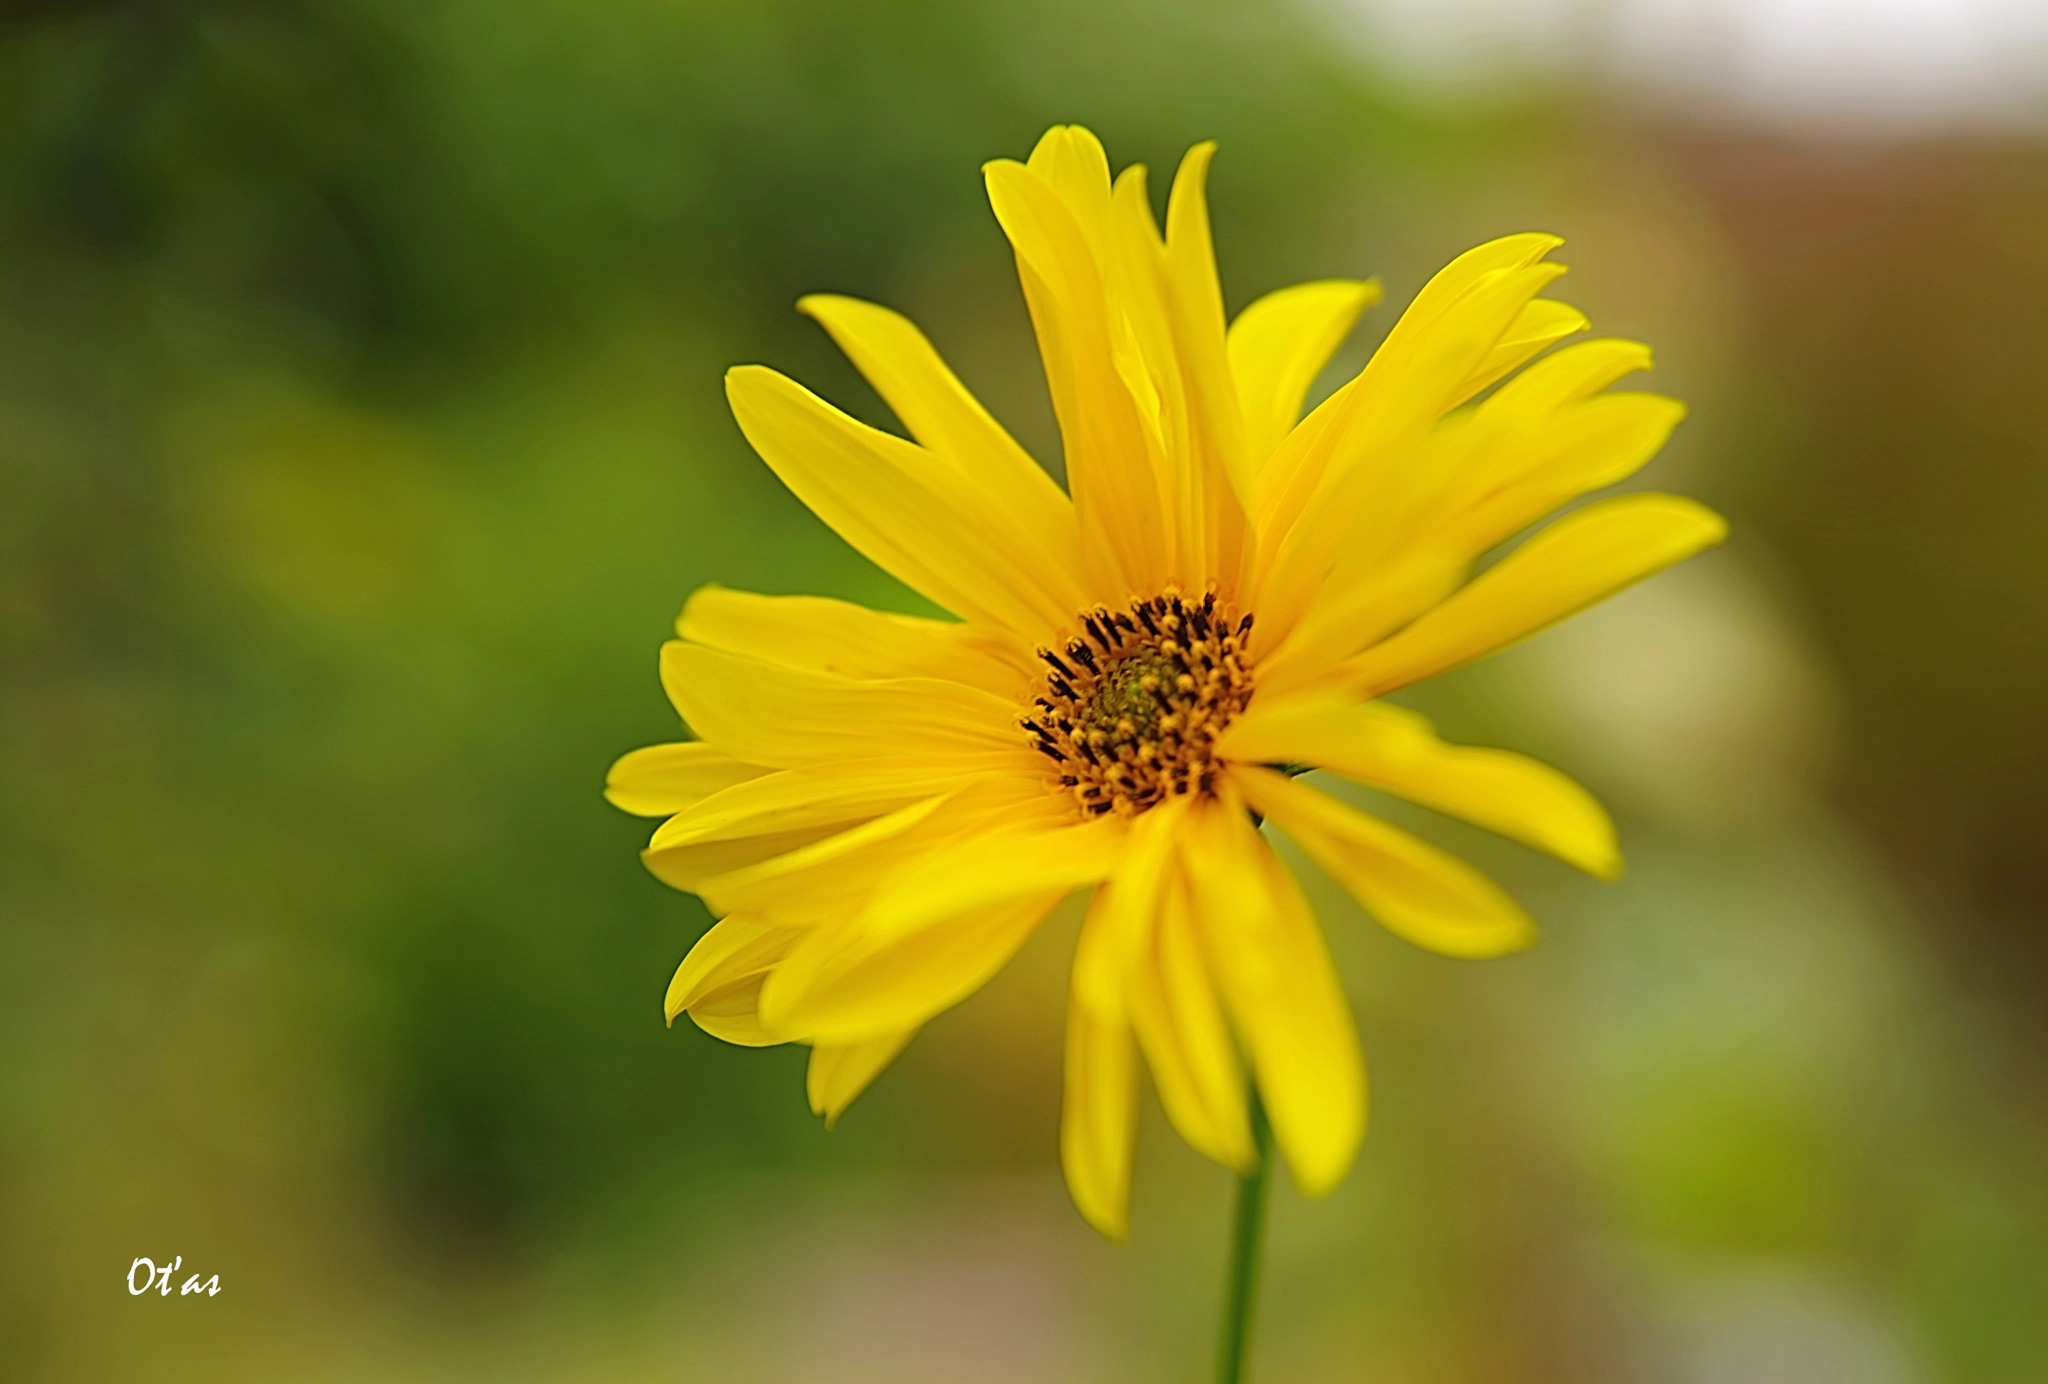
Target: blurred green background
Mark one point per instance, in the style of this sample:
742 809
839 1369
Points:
361 431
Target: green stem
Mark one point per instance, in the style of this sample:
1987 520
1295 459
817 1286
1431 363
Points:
1247 1247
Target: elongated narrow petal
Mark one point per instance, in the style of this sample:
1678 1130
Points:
1469 271
733 1015
661 780
1413 889
719 982
1099 1118
1109 456
773 714
818 795
1415 377
1357 491
1526 471
812 880
1583 558
994 865
923 519
838 1073
1074 164
1355 610
1186 1039
1542 323
1120 918
817 635
1481 304
1282 992
1281 343
1148 362
1394 749
766 844
1283 486
1216 453
1571 375
941 414
1476 481
690 866
1167 322
733 948
847 983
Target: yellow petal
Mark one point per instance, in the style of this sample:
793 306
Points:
819 635
1542 323
1573 374
664 779
1470 310
1186 1040
1414 377
1526 471
834 878
1215 445
1452 285
818 795
1478 479
1148 362
840 985
793 801
733 1015
719 982
1282 486
1356 609
1116 493
918 517
1073 163
1281 990
1099 1118
772 714
1120 917
1280 344
733 948
838 1073
993 865
941 414
688 866
1394 749
1414 890
1583 558
811 881
1357 489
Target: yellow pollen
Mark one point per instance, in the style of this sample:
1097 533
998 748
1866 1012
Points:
1131 711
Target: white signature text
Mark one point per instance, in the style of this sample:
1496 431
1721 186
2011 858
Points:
144 1274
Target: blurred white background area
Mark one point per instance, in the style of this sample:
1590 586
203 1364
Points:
1873 66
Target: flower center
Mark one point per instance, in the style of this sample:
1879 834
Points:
1131 713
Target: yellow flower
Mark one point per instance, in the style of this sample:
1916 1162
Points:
880 809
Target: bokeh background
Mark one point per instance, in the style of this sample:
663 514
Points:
361 433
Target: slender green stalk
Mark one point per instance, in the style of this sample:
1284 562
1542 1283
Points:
1247 1248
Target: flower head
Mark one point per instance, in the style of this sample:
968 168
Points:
880 809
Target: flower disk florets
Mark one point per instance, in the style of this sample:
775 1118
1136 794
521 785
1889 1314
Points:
1131 713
